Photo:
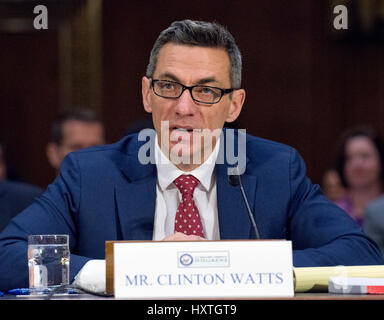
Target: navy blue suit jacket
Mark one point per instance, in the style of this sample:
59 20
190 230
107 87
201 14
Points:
104 193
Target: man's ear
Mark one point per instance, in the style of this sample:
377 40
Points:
52 153
237 101
146 93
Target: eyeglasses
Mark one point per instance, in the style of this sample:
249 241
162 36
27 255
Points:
199 93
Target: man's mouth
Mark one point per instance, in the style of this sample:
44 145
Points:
185 129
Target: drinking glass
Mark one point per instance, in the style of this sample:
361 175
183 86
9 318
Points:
48 262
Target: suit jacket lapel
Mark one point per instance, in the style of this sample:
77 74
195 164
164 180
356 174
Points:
135 196
233 217
135 203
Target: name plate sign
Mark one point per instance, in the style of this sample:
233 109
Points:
201 269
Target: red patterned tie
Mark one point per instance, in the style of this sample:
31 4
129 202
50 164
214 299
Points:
187 218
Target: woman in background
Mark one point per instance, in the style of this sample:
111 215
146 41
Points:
360 165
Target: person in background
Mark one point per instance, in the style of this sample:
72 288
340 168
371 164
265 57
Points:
360 166
332 186
15 196
374 221
73 130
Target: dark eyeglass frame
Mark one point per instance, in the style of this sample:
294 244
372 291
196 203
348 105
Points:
190 88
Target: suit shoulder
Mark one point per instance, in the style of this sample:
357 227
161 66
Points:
97 159
126 145
257 145
271 155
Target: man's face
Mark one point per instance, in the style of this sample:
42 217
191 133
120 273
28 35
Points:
76 135
191 65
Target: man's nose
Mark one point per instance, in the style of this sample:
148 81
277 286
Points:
185 105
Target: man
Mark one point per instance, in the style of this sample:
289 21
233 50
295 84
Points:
73 130
111 193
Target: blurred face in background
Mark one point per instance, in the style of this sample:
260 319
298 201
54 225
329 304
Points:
362 163
76 135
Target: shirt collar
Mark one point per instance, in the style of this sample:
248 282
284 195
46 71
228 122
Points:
167 172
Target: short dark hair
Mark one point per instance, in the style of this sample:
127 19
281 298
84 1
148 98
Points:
82 115
199 33
359 131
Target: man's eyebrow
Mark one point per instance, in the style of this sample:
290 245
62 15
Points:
169 76
174 78
207 80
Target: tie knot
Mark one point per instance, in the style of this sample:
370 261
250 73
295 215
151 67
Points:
186 183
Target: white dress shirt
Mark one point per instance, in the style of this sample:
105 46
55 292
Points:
168 196
92 276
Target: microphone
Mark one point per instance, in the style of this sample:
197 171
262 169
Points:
235 180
